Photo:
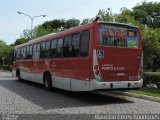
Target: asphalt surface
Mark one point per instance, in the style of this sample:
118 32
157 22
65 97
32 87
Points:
27 98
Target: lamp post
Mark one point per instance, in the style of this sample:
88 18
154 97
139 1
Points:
31 18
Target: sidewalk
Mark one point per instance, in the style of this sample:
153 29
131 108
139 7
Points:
5 74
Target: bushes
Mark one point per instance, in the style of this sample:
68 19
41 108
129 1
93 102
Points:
152 77
5 67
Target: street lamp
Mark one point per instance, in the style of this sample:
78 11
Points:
32 18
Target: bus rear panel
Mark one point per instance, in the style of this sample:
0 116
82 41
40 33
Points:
118 57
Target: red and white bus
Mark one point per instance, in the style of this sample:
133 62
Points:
95 56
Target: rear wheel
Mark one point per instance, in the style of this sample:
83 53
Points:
47 81
19 75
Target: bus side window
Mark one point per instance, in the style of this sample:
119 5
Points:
29 52
20 53
47 53
59 47
24 52
67 48
53 48
42 50
75 45
84 48
17 56
34 51
38 50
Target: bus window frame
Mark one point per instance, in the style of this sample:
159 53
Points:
79 43
71 36
61 56
55 39
41 51
88 42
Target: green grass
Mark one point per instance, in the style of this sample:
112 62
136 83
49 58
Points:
147 91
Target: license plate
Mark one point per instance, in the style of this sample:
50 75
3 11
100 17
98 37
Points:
119 85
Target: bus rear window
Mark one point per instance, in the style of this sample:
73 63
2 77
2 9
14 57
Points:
118 36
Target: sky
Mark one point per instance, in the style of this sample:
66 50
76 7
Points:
12 24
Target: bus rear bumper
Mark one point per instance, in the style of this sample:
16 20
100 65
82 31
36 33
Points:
95 85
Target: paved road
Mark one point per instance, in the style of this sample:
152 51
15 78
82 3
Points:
29 98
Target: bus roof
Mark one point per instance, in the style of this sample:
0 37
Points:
71 30
118 24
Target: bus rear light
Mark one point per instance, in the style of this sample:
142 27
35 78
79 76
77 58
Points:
95 67
97 72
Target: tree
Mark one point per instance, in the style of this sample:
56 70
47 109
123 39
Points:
6 52
148 13
105 15
126 17
40 31
85 21
2 43
26 34
71 23
151 45
48 27
55 24
21 41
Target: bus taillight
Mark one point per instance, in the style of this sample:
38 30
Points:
97 72
95 67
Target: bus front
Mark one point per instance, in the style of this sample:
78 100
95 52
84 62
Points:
117 57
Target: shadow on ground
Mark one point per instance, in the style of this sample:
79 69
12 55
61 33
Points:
58 98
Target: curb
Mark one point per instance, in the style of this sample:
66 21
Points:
156 99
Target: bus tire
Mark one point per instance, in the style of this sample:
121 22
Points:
19 75
47 80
